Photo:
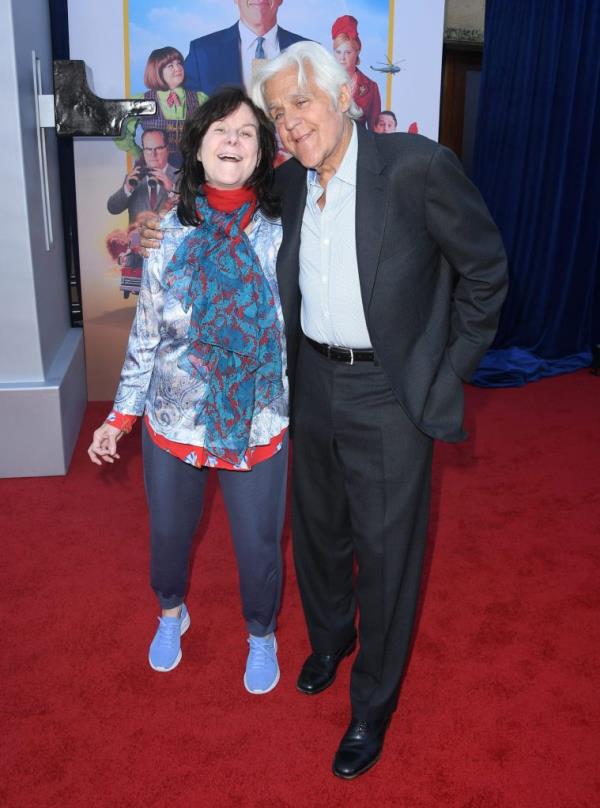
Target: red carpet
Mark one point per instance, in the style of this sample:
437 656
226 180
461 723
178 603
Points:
500 705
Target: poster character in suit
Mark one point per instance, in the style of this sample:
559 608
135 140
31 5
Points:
227 57
150 186
392 275
164 76
346 49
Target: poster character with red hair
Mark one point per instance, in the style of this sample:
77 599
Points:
164 76
346 49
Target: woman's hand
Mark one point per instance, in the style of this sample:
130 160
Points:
104 444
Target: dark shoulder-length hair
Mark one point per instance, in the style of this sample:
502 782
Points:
157 61
191 175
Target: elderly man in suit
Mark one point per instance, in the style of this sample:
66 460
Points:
227 57
391 275
149 185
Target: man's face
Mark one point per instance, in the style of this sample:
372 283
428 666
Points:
259 15
309 126
155 150
385 124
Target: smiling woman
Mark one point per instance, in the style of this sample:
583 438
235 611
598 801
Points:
206 365
229 149
228 144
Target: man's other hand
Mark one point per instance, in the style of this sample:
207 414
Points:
151 234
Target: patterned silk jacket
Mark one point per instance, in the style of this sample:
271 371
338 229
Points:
151 379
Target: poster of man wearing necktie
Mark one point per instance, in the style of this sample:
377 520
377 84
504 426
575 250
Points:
180 53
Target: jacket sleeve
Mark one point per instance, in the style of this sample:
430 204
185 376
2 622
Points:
459 221
118 202
374 108
192 68
144 339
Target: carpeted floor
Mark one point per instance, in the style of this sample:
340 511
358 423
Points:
500 705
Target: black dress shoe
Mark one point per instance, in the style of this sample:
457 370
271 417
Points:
319 670
360 748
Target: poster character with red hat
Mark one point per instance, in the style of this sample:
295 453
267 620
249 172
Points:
346 49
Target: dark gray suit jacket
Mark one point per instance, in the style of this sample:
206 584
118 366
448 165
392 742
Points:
432 269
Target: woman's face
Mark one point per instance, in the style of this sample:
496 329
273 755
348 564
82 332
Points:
229 150
347 56
173 74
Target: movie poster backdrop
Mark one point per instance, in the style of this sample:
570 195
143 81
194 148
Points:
147 49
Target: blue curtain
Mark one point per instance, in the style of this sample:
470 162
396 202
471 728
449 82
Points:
537 164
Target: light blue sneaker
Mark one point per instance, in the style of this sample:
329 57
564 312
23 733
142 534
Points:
262 670
165 648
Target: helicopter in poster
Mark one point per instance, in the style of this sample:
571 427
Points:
389 67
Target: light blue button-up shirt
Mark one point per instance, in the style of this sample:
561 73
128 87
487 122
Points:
332 310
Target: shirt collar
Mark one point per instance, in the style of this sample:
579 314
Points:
179 92
347 169
248 36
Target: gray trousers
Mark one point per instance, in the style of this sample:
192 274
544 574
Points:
255 503
361 481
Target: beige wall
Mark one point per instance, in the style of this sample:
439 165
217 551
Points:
467 14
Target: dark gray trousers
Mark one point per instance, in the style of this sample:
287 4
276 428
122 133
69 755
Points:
361 480
255 503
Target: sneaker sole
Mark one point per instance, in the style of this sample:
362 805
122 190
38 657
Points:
185 624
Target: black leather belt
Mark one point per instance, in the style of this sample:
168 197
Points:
338 354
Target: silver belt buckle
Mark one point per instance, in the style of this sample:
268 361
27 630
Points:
351 356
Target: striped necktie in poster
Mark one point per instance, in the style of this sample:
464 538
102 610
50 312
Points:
259 53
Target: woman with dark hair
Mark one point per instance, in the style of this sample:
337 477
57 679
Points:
164 76
206 364
346 49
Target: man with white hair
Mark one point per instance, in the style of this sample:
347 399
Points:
391 275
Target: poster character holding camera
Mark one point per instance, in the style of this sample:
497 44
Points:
150 186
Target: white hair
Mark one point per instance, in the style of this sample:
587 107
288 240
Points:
328 74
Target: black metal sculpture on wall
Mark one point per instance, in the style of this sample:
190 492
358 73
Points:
76 111
80 113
